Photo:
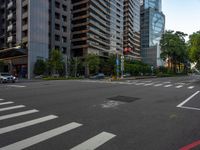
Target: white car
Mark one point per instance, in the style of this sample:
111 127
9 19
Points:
6 77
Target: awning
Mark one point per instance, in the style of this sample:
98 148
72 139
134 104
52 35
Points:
12 52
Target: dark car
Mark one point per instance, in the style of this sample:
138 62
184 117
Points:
6 77
98 76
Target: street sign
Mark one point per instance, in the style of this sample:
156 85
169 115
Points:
117 62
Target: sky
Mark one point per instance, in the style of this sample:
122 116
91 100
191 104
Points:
182 15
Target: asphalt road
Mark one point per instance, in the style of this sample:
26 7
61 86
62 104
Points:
150 114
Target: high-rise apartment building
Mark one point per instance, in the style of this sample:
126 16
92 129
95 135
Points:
152 28
29 29
97 27
132 29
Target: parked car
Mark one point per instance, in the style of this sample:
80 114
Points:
6 77
98 76
127 75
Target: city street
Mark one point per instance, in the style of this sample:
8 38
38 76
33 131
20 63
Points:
146 114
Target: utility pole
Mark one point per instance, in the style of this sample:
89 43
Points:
122 66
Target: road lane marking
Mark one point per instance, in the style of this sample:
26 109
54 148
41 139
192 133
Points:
17 86
13 107
191 108
26 124
94 142
41 137
179 86
190 87
169 85
6 103
1 99
188 99
156 85
18 114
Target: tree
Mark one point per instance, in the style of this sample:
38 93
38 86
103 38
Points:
56 62
194 48
92 63
173 48
76 66
110 65
40 67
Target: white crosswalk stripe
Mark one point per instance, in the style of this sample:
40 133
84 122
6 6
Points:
166 82
139 83
41 137
12 107
179 86
169 85
18 114
148 84
17 86
1 99
94 142
6 103
26 124
190 87
156 85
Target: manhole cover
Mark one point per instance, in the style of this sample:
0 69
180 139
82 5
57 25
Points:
125 99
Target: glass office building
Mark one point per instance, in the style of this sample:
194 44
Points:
152 28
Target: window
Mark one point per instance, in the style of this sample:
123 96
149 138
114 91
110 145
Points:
64 29
64 18
57 37
57 15
64 39
57 4
64 7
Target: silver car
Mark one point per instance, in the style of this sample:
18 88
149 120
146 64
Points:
6 77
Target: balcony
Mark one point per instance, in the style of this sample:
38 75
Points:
10 28
10 39
24 15
10 5
25 27
24 3
10 16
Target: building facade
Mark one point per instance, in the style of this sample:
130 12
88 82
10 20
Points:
29 30
132 29
152 28
97 27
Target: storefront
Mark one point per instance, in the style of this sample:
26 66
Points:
15 61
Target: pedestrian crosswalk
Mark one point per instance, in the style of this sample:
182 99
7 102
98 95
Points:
91 144
165 84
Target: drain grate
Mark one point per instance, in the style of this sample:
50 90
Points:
125 99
